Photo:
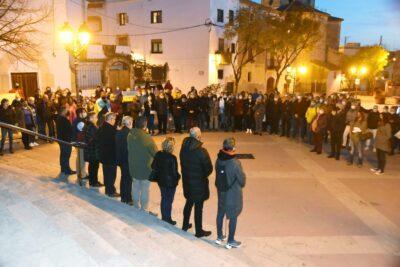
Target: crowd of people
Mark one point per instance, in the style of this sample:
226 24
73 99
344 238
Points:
118 133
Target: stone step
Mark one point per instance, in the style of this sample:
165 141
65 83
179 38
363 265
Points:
105 231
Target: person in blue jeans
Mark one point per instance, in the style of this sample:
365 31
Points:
165 166
7 115
230 181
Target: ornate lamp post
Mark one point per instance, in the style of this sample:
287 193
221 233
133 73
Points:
76 44
293 72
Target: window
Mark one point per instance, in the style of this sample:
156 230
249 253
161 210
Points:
156 46
220 74
123 19
94 23
233 48
249 76
220 15
231 16
156 17
123 40
221 45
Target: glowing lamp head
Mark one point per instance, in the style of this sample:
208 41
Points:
363 70
353 70
302 70
66 34
84 35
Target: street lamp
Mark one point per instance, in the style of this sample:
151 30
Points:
357 72
293 72
76 44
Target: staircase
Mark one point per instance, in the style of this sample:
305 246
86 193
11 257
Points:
50 222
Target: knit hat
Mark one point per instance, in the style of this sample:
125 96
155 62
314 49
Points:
229 144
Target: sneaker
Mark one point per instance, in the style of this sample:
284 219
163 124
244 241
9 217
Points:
233 244
35 144
374 169
250 131
220 240
379 172
31 145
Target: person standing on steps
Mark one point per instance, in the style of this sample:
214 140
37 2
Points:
196 167
230 181
90 150
141 151
165 166
64 133
106 152
7 115
121 150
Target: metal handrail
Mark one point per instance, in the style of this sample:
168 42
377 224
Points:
78 145
42 136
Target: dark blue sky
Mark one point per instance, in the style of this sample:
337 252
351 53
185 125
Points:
366 20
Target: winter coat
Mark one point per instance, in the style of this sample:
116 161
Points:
372 121
231 201
320 123
7 115
90 139
239 107
141 151
166 166
311 114
259 111
64 129
196 167
121 146
356 137
351 116
105 145
383 136
337 124
162 106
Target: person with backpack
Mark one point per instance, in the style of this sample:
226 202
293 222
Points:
230 181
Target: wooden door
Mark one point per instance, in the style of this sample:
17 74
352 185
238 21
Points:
119 75
27 81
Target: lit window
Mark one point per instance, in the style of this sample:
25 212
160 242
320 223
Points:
156 46
123 19
156 17
220 15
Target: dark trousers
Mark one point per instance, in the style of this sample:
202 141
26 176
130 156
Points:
381 156
93 172
4 133
336 144
285 126
65 154
238 122
162 123
191 121
232 225
109 174
178 124
198 214
274 125
126 184
318 140
167 198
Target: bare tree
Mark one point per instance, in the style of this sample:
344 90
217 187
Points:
248 32
288 36
19 24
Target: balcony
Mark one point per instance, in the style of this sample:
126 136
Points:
223 57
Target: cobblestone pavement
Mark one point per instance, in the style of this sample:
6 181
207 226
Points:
300 209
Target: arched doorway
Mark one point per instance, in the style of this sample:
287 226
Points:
270 84
119 75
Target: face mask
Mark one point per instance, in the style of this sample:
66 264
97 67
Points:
392 112
353 107
375 110
84 115
321 112
276 99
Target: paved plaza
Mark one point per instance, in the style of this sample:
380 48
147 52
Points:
300 209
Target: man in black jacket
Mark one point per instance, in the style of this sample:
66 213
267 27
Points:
372 122
106 152
196 167
337 124
121 149
64 133
7 115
